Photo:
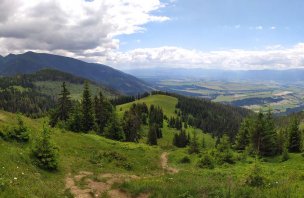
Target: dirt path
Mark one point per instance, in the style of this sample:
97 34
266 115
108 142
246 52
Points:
164 164
102 184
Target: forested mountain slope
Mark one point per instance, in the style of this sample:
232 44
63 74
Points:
31 62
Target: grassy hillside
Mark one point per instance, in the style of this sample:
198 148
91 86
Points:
92 166
167 103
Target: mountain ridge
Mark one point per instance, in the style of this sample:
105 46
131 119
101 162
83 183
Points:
31 62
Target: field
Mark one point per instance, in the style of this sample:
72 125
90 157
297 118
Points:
282 98
138 170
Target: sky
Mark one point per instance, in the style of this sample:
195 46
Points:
130 34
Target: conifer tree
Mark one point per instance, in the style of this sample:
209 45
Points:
243 136
87 109
295 136
45 152
258 132
64 103
75 120
113 130
224 152
20 133
268 142
152 135
194 148
103 112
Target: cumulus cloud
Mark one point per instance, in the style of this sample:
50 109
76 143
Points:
270 58
73 27
89 30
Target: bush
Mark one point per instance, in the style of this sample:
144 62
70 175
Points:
45 153
285 155
255 177
19 133
302 154
206 162
185 160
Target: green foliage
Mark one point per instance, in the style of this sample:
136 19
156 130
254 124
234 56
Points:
255 177
185 160
74 123
295 136
243 136
19 133
119 160
45 153
259 132
193 146
206 161
87 109
63 110
103 112
224 152
180 139
285 155
152 134
114 130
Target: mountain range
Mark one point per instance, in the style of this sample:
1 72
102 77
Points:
31 62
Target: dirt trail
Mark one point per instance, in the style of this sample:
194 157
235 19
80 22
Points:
164 164
102 184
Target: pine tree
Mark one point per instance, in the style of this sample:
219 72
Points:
224 152
194 148
258 132
63 109
87 109
131 126
45 152
64 103
152 135
75 120
243 136
268 142
103 112
113 130
295 137
20 133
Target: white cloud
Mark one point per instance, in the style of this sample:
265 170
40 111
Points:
259 28
270 58
72 27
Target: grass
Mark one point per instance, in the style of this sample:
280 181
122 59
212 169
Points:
19 177
53 88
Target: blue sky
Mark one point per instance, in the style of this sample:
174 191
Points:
220 34
223 24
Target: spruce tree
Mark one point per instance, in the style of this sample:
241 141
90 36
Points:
64 103
113 130
152 135
45 153
268 142
258 132
224 152
19 133
103 112
295 136
75 120
87 109
243 136
194 148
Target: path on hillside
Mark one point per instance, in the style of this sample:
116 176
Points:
105 182
164 164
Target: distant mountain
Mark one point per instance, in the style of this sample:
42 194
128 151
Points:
290 75
31 62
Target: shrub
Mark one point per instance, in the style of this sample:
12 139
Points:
206 162
185 160
302 154
285 155
19 133
255 177
45 153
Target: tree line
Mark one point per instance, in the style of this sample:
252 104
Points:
98 114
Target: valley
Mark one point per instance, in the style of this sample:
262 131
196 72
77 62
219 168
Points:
282 97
